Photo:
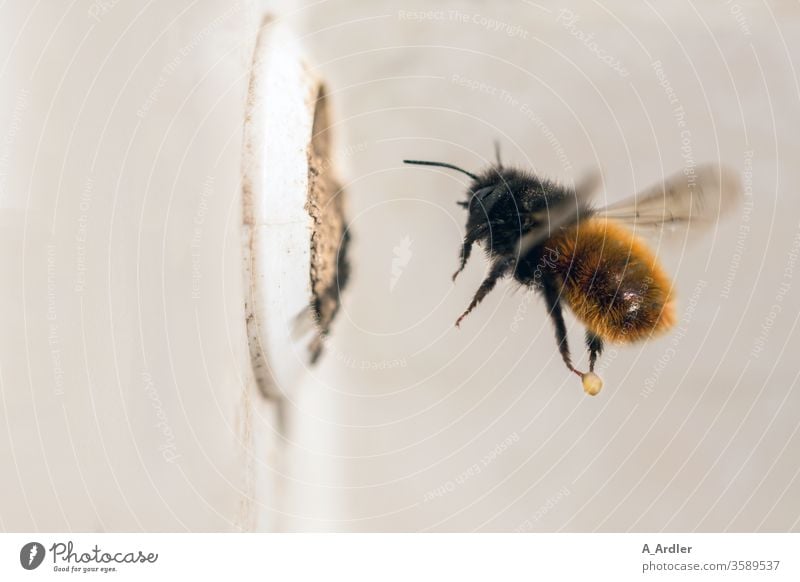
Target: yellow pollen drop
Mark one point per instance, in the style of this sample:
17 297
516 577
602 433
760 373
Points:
592 384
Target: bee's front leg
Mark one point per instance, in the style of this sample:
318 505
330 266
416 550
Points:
466 248
498 270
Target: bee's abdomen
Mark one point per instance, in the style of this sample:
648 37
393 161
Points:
612 281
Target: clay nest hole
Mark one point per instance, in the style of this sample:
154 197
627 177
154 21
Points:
330 238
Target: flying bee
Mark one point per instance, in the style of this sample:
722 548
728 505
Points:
550 238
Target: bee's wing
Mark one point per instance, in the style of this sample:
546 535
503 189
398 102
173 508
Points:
566 211
682 203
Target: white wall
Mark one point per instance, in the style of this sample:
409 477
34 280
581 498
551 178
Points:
123 350
714 445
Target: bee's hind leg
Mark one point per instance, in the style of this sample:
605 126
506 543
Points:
595 344
554 308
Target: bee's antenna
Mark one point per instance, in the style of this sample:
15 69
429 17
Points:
441 165
497 153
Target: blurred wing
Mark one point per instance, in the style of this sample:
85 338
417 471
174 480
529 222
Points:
566 211
682 203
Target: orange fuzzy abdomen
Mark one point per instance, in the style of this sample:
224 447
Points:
611 281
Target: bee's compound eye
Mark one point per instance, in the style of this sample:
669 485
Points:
592 384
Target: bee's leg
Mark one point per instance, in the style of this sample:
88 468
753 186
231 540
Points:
466 248
554 308
498 270
595 344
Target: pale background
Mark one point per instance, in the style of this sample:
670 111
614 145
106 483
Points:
386 432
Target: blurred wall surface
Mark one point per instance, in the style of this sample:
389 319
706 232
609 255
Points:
122 353
417 425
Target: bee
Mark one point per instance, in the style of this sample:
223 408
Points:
550 238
